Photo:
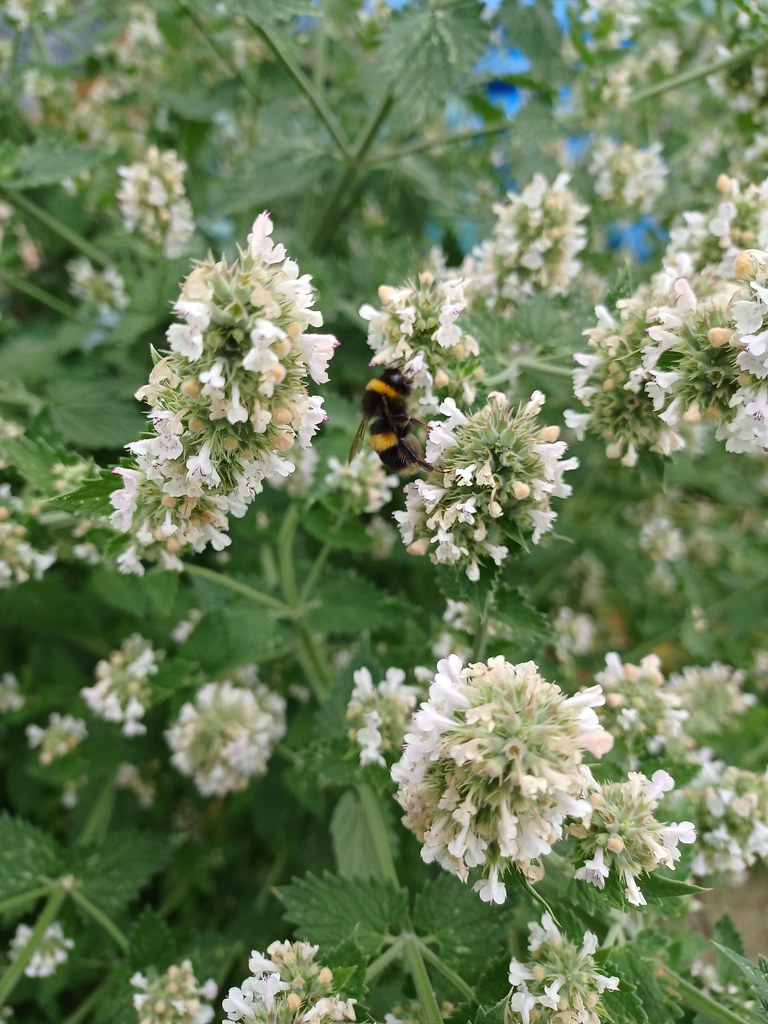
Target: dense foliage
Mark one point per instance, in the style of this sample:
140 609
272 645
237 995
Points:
287 737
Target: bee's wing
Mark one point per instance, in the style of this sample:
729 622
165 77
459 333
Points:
411 446
357 441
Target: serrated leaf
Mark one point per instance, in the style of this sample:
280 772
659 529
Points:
464 926
27 855
660 887
756 976
424 53
329 909
90 499
529 628
93 413
634 968
348 603
533 29
493 1014
113 873
353 848
48 162
350 980
152 942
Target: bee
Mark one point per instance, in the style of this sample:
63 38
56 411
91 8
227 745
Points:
385 402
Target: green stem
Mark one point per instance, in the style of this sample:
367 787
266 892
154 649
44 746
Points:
219 50
17 967
321 49
97 823
447 972
691 997
694 74
377 829
100 917
58 227
391 953
23 897
329 221
317 101
387 156
20 284
418 971
239 588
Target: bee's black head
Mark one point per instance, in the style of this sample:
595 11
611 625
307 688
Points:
397 379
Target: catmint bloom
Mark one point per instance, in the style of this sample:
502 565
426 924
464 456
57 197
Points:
123 690
493 767
500 470
23 12
287 986
153 202
561 983
641 711
20 560
378 714
227 735
626 176
62 734
532 248
10 697
713 696
420 324
129 777
52 951
100 291
173 997
621 837
574 634
364 484
227 402
730 808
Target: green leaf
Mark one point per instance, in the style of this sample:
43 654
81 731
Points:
533 29
424 54
152 942
92 412
624 1006
262 10
658 887
47 162
348 963
635 965
114 872
329 909
493 1015
465 927
27 856
348 604
90 499
529 628
757 976
353 848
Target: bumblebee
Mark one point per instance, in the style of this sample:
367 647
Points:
385 401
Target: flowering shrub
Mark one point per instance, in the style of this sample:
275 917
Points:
479 742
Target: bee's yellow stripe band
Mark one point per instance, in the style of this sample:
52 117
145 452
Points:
382 388
383 442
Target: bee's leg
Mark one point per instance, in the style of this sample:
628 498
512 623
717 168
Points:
394 417
415 455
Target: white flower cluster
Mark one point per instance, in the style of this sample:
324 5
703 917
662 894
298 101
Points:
20 561
627 176
227 402
364 484
153 202
174 997
501 468
493 767
227 735
22 13
100 291
532 248
574 634
122 690
713 238
730 807
665 545
52 951
561 984
713 695
621 833
287 986
609 23
62 734
378 714
420 324
10 697
641 711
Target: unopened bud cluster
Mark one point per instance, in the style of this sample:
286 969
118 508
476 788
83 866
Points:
378 714
713 696
153 202
532 248
123 690
363 484
226 736
227 402
174 997
561 984
287 986
500 469
62 734
493 767
51 951
101 292
621 834
420 324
